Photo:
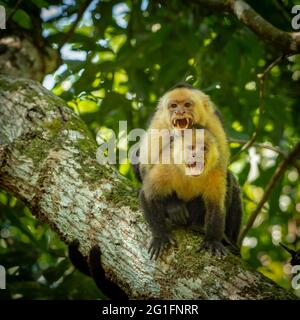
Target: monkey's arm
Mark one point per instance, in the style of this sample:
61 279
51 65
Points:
136 167
214 228
136 170
155 213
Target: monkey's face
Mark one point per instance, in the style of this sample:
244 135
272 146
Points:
185 107
181 112
196 155
195 160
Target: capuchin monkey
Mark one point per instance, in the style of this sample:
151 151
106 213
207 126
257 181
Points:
199 192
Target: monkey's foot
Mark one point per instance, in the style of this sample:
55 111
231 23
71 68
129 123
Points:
215 247
232 247
158 244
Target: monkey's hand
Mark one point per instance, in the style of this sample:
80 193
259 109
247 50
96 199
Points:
232 247
177 212
214 246
158 244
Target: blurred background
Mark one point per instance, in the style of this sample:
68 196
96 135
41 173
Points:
117 58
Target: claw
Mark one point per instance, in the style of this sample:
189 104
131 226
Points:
232 247
215 247
158 244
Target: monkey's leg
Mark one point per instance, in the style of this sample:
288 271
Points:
214 228
154 213
214 198
234 213
177 210
92 267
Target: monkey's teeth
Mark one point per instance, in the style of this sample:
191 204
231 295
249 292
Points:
194 169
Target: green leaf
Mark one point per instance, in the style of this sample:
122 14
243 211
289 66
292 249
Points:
41 3
22 19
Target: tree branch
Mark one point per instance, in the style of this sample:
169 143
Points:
277 174
283 154
262 78
14 9
50 164
70 32
286 42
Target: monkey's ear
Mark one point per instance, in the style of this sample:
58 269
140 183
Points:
207 103
161 102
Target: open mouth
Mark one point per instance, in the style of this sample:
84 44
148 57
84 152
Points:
183 123
192 165
194 169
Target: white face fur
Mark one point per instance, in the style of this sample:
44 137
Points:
183 107
195 152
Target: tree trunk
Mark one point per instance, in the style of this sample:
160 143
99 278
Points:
48 160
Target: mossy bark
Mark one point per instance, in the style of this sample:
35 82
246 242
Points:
48 160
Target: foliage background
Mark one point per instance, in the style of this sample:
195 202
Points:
120 58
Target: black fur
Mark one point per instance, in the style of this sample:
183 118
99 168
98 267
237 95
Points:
193 214
234 209
136 168
92 266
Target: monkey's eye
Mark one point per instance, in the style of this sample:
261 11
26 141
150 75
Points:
173 105
187 104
